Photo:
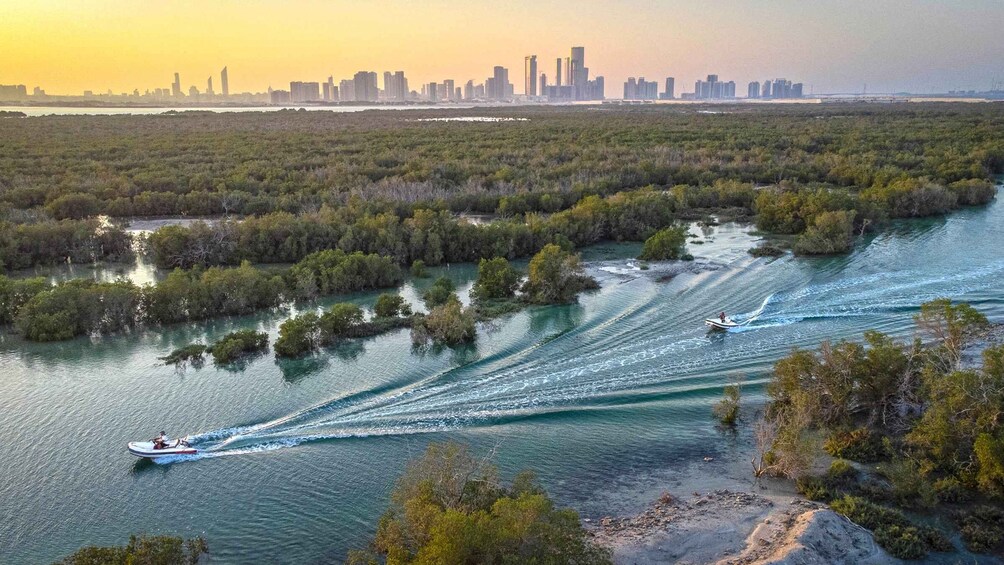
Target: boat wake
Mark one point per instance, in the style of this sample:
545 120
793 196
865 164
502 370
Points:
654 351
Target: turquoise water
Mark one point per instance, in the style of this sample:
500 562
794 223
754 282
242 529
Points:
300 456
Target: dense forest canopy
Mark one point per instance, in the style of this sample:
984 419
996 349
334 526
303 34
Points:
203 163
388 182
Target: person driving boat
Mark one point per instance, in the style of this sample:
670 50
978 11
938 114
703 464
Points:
160 442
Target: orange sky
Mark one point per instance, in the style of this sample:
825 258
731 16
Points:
67 47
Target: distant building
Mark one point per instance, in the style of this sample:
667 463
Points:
365 83
557 74
176 87
543 84
279 97
641 89
670 92
449 89
753 90
347 91
498 87
431 92
209 86
304 91
225 82
781 89
13 91
530 75
469 90
714 89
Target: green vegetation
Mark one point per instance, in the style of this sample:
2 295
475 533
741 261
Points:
142 550
14 293
309 332
391 305
418 269
378 184
237 345
497 280
447 324
933 427
439 293
450 506
43 312
830 233
670 243
727 409
766 250
556 277
79 307
47 242
193 354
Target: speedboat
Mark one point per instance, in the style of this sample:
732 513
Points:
149 450
718 324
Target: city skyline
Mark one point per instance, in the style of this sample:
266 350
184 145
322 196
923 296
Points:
892 46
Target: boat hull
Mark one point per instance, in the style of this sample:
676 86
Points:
145 449
719 325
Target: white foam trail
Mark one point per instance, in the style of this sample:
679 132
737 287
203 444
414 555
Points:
528 383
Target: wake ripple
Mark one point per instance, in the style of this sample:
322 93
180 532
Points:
647 355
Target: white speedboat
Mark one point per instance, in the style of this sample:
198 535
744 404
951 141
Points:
720 324
149 450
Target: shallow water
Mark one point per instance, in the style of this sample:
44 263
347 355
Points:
597 397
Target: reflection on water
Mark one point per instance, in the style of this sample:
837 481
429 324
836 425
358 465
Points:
595 396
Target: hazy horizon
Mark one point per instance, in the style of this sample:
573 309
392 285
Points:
893 45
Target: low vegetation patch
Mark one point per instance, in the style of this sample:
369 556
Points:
455 508
193 354
237 345
142 550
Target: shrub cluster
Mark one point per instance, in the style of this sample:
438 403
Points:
44 312
237 345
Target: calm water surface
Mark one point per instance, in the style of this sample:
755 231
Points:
301 454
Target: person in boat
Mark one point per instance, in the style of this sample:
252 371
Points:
160 442
721 317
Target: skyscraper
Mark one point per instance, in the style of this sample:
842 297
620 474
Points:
225 82
176 87
530 75
557 75
543 84
365 83
753 90
209 86
402 86
498 87
670 88
640 89
347 91
578 74
332 91
449 89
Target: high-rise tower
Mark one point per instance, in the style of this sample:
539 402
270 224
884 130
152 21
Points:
225 82
530 75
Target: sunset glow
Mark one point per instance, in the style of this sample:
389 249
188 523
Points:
67 47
